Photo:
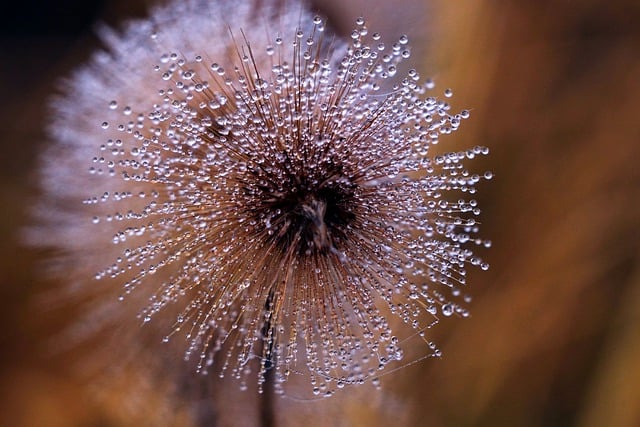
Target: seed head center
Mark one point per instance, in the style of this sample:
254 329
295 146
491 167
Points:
314 210
310 218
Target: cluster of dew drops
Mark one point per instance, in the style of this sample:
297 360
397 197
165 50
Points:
455 230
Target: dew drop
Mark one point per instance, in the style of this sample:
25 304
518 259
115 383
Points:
447 309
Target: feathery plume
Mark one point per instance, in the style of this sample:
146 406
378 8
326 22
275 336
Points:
261 188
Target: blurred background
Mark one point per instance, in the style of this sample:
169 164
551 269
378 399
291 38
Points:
553 340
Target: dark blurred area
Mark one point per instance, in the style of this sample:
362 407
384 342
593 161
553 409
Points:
553 340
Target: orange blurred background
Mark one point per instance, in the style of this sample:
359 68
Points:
553 340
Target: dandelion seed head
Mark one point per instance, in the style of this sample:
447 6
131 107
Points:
267 187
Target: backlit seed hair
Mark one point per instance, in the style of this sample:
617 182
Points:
266 187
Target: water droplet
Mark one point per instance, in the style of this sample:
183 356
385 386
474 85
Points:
447 309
